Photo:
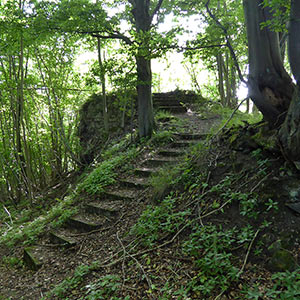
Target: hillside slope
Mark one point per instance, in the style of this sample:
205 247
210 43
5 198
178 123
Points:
182 216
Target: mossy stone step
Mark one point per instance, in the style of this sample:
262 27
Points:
171 152
145 172
62 240
136 183
183 144
121 194
107 209
158 162
83 225
166 102
192 136
173 109
32 258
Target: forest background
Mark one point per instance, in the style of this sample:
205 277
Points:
42 87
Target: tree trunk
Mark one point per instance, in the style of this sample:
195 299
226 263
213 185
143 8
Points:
270 87
289 133
145 105
294 40
227 80
234 99
220 64
103 87
142 18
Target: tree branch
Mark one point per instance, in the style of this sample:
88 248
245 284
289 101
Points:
181 49
156 9
202 47
111 36
228 42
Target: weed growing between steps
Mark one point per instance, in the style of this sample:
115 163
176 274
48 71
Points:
161 138
162 182
164 116
106 174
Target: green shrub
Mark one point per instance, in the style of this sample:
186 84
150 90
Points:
105 287
211 246
159 220
162 138
286 286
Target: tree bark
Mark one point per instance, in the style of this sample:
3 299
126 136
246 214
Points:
289 133
270 86
103 87
145 105
294 40
143 19
221 78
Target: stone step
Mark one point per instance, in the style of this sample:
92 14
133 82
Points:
106 208
171 152
158 162
57 238
79 223
146 172
166 102
191 136
121 194
173 109
136 182
33 258
295 207
183 144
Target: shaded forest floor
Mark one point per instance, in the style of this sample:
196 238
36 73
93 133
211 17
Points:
222 222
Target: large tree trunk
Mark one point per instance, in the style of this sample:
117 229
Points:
270 87
142 18
145 105
294 40
289 133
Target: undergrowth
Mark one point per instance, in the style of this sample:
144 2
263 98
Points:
26 228
216 255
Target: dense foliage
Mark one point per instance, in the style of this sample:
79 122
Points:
42 87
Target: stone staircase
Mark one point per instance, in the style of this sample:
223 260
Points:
168 102
104 211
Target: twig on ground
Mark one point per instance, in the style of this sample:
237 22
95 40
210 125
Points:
220 295
245 261
260 182
124 258
197 199
137 262
103 265
248 252
106 265
215 210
